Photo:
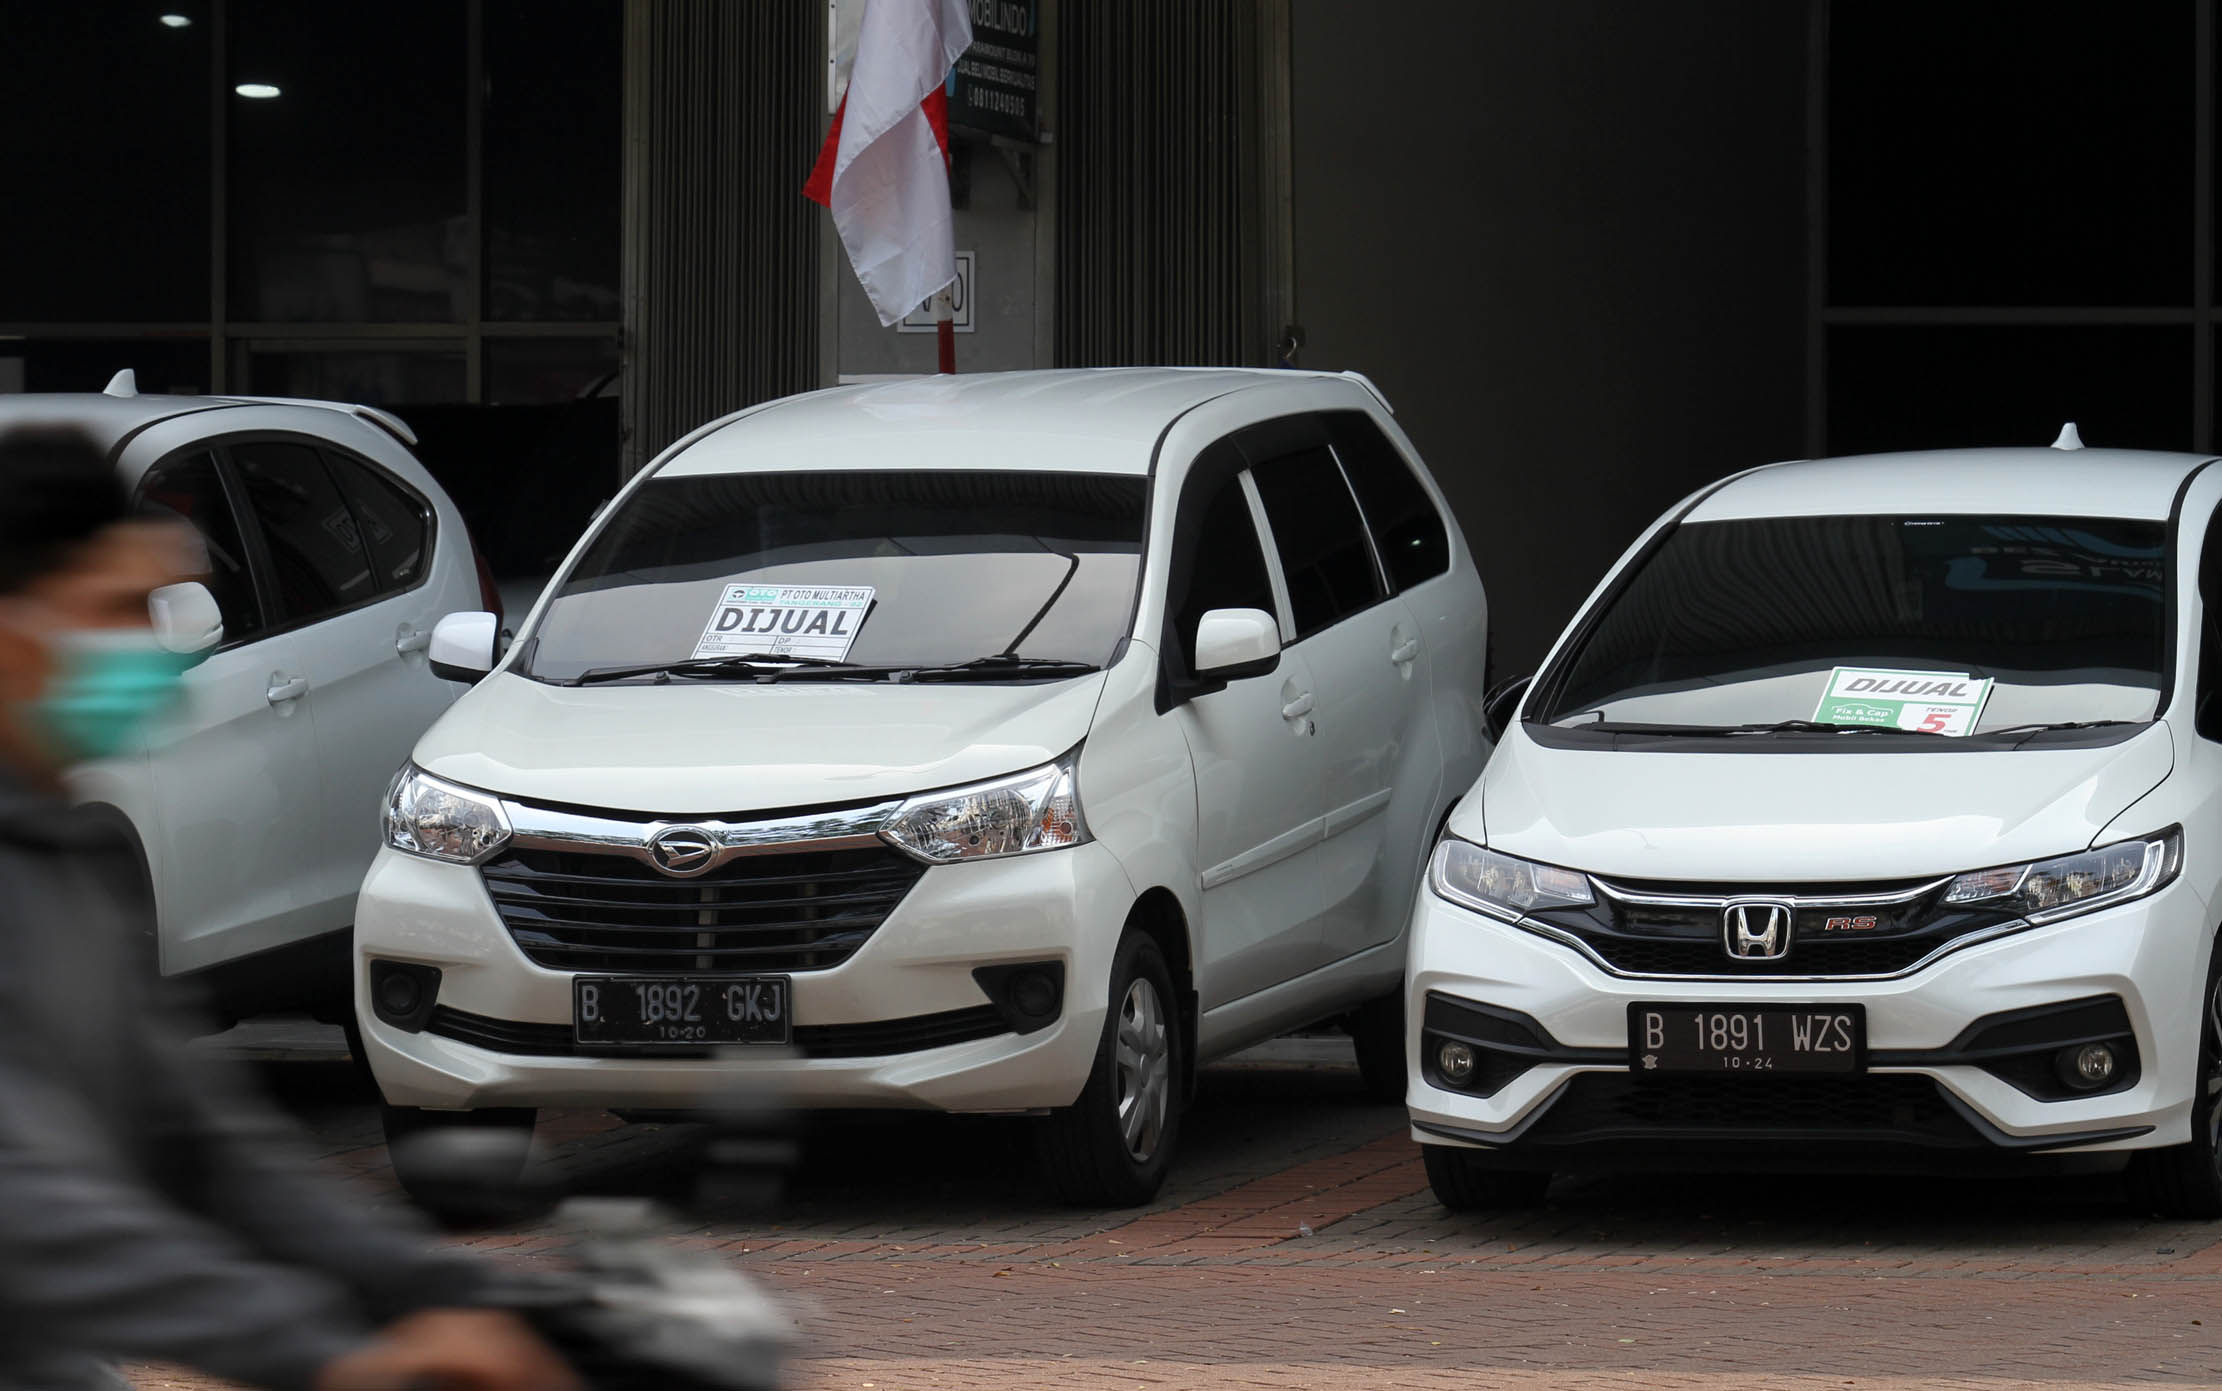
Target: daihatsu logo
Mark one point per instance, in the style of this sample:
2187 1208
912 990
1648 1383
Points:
1756 929
682 851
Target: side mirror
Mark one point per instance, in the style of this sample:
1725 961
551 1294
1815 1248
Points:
462 647
1235 643
1498 707
185 617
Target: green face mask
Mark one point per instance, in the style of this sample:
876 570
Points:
107 685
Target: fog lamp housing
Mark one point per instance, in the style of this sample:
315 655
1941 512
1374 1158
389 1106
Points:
1455 1061
402 994
2087 1067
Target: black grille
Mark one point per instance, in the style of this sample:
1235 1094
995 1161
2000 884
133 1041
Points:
872 1039
794 911
1864 1107
1646 939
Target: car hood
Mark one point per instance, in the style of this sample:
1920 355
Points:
709 749
1784 817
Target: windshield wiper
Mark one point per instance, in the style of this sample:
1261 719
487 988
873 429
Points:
1774 727
740 664
1004 664
2056 724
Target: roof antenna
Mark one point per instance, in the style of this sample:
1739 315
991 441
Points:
2069 439
124 383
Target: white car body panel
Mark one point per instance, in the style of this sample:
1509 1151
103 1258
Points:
1218 807
1719 819
252 812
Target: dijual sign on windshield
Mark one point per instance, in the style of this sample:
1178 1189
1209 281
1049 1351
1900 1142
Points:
1933 702
788 620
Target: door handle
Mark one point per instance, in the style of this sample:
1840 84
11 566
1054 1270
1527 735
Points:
412 640
1403 653
1298 708
284 688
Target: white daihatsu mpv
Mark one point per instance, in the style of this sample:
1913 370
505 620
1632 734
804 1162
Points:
1869 814
989 744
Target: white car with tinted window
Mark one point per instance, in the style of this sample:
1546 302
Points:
1869 814
330 554
981 744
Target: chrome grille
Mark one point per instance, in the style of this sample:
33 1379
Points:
1675 929
794 911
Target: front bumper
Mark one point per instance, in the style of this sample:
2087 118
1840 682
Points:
504 1040
1575 1103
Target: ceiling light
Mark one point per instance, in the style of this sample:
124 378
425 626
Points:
258 91
177 21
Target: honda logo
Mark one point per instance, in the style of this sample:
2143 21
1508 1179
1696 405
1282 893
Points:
1756 929
683 851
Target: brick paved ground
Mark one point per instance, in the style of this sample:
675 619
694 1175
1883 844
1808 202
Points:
1297 1247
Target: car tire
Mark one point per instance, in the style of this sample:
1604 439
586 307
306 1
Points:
1377 1037
1111 1147
1464 1184
2185 1181
463 1168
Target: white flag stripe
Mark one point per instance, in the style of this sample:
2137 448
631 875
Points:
890 197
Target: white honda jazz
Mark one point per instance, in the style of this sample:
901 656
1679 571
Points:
1869 814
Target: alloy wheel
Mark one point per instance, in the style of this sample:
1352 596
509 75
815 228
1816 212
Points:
1144 1056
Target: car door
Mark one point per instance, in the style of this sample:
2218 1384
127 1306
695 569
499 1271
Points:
1361 648
1445 634
234 772
1257 763
350 546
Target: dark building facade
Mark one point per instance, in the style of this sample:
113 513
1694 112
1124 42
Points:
1598 254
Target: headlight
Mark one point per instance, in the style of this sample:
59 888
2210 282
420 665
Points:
2046 890
1500 885
441 821
1036 810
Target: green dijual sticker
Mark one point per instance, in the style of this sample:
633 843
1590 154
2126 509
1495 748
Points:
1933 702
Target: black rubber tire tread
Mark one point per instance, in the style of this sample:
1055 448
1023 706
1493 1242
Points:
2184 1181
431 1193
1377 1037
1463 1185
1082 1153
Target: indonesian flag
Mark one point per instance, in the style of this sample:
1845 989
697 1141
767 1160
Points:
884 171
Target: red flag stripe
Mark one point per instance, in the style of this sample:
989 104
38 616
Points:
818 188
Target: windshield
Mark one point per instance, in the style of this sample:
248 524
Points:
1996 622
915 568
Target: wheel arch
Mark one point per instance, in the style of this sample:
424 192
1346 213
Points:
1158 915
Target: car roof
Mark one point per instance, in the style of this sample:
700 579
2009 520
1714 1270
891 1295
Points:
111 420
2019 482
1089 420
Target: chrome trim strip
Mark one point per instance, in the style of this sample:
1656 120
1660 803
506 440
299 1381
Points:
1560 935
1650 900
545 828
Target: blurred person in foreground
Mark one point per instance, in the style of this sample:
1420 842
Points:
147 1207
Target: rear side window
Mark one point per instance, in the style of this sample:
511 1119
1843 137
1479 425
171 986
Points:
395 525
2207 717
1407 530
1320 536
191 490
1225 568
317 559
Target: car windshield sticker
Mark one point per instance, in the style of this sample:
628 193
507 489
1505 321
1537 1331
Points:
785 620
1934 702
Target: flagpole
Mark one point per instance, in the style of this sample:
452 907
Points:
945 331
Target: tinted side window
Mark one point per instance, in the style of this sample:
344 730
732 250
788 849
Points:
1320 536
191 490
1407 529
2207 716
316 553
1225 569
396 525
